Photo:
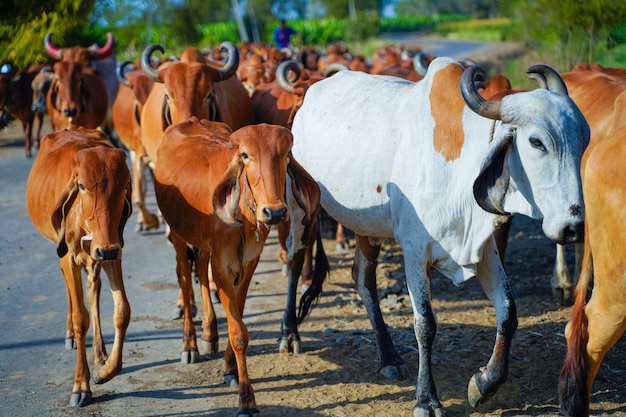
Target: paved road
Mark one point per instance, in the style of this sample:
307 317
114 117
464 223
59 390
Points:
441 47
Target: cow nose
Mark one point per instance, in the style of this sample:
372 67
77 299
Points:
274 216
70 112
574 233
107 254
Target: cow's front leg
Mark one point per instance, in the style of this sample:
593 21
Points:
490 273
121 318
94 285
425 327
81 392
364 274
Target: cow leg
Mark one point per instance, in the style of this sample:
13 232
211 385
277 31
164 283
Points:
425 328
94 285
561 283
492 277
121 318
233 299
81 391
178 310
364 274
190 352
70 339
341 241
606 322
27 125
210 336
145 219
39 117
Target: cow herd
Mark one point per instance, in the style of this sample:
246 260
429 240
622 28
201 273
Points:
423 150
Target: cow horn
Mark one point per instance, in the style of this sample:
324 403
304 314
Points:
51 49
281 75
232 60
107 49
419 63
547 78
478 104
121 72
335 67
146 62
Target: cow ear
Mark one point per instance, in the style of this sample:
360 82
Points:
226 194
54 93
304 189
128 210
493 181
59 213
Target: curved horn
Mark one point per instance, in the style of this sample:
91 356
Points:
51 49
121 72
547 78
146 62
419 63
478 104
281 75
232 61
107 49
335 67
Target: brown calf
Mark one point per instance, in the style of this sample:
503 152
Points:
78 196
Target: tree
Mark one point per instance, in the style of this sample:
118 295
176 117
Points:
24 26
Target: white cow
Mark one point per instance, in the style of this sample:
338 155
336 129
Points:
414 162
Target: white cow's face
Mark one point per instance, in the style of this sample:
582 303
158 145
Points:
544 162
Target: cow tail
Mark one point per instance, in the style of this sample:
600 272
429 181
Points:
573 396
320 272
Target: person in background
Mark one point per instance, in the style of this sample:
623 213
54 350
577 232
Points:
283 34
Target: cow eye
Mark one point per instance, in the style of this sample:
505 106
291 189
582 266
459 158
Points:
244 155
81 186
536 143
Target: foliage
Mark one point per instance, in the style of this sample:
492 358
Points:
488 30
414 23
365 26
24 26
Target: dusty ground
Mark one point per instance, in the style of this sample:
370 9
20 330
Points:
336 374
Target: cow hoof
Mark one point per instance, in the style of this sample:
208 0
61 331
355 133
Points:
428 411
562 296
80 399
215 298
304 288
287 346
284 270
211 347
189 356
253 412
178 313
70 343
475 396
231 380
395 372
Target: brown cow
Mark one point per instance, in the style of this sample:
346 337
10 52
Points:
16 96
78 195
103 63
133 93
186 89
77 96
597 322
221 192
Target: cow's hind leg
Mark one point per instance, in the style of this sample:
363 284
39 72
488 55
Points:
81 391
121 318
364 274
490 273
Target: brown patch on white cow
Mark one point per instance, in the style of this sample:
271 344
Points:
446 107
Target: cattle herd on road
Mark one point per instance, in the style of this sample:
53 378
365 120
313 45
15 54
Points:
240 139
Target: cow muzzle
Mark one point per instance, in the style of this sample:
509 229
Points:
109 253
70 112
273 216
574 233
